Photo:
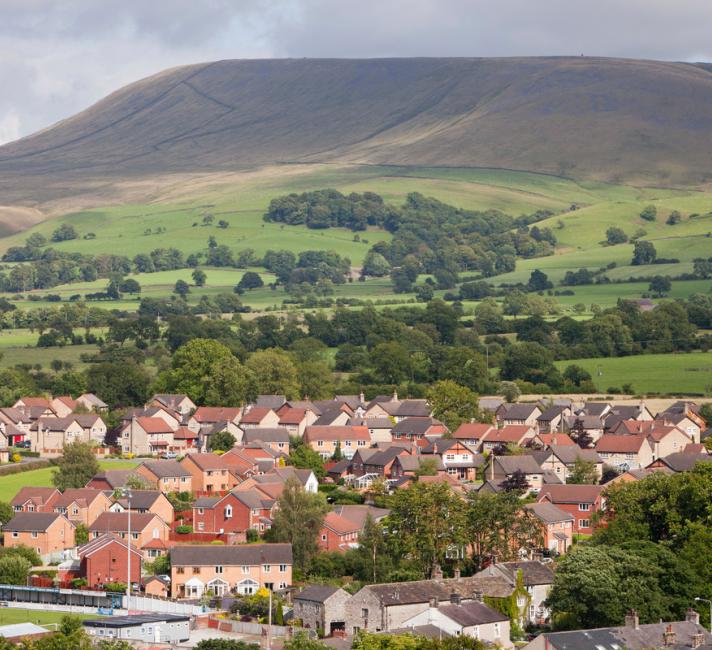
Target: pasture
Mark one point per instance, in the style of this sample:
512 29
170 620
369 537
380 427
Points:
688 373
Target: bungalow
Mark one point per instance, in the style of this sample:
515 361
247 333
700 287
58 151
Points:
181 404
503 467
326 439
210 473
104 560
48 533
562 459
472 618
510 434
35 499
166 475
625 452
257 416
243 569
148 531
82 505
473 433
145 501
557 526
321 607
417 429
580 501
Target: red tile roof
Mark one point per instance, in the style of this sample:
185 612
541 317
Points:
560 439
570 493
508 433
472 430
340 525
621 444
255 415
292 416
154 425
336 433
217 413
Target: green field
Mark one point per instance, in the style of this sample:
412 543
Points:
10 615
651 373
9 485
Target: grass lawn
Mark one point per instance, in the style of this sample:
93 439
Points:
10 615
11 484
651 373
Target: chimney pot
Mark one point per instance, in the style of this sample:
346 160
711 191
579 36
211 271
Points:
697 640
632 620
455 599
668 636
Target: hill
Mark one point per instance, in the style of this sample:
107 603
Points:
591 118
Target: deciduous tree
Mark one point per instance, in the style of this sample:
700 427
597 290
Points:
75 467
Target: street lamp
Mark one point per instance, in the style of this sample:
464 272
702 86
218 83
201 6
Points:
709 602
126 493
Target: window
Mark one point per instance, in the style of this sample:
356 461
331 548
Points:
266 568
228 512
347 443
30 508
201 511
218 569
201 525
323 538
75 511
364 613
283 568
319 443
584 507
134 535
34 534
246 570
584 523
449 456
361 443
15 534
196 569
496 630
180 569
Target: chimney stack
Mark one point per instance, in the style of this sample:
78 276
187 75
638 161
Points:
477 596
668 636
456 573
455 599
437 572
691 616
434 602
632 620
697 639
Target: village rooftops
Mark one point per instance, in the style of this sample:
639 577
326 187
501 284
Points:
38 496
166 468
549 513
270 402
316 593
621 444
266 434
684 462
31 522
571 493
118 521
423 591
472 613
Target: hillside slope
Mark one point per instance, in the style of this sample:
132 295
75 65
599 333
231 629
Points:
588 118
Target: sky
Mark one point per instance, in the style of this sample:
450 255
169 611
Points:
58 57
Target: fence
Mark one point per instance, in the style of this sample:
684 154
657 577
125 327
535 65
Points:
148 604
207 538
240 627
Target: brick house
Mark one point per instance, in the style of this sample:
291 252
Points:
144 501
48 435
237 511
510 434
105 559
625 452
338 533
580 501
209 472
82 505
557 526
409 465
166 475
459 459
146 436
48 533
562 459
241 569
417 430
321 607
148 531
258 416
501 468
35 499
295 420
111 479
325 439
277 438
472 433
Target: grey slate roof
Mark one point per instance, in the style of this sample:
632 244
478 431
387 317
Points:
520 411
548 512
510 464
266 434
682 462
416 425
31 521
270 401
414 408
241 555
166 468
568 454
316 593
474 613
421 591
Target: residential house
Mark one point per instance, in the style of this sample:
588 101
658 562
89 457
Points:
181 404
104 560
296 420
35 499
620 412
471 618
63 405
625 452
561 460
82 505
321 607
557 526
187 441
376 461
92 403
48 533
149 532
503 467
258 416
146 436
580 501
48 435
536 577
27 403
544 440
412 465
277 438
166 475
112 479
343 526
274 402
417 429
157 586
679 462
519 414
236 512
378 428
490 404
517 435
145 501
210 472
333 415
551 419
209 420
282 474
632 636
14 425
412 408
243 569
473 433
458 458
326 439
590 425
686 417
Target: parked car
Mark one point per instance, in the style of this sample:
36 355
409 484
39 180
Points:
169 455
23 444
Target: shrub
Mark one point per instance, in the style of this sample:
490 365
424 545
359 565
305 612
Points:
184 529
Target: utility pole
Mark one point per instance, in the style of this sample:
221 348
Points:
127 493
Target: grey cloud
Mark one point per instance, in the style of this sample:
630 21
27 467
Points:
58 57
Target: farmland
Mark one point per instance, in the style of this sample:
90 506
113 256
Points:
651 373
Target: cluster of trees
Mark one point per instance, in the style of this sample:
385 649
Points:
654 555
